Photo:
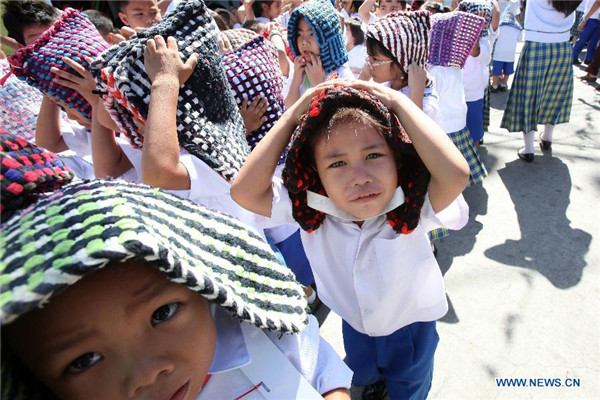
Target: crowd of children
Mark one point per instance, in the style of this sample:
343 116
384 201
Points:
236 166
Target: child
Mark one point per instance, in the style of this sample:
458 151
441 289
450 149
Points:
355 39
362 195
132 308
26 20
542 91
476 74
590 35
138 13
349 8
509 33
315 36
383 8
103 24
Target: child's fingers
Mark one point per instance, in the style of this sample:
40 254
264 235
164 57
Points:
150 46
191 62
65 75
160 42
171 43
244 104
76 66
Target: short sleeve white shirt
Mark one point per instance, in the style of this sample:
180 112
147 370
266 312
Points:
373 278
452 104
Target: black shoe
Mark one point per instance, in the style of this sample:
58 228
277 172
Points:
315 305
494 90
376 391
587 62
576 62
528 157
503 88
544 144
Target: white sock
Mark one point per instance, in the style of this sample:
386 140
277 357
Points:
529 138
311 299
495 87
548 131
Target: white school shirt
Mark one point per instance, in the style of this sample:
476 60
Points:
430 102
373 278
476 74
506 45
356 58
207 187
77 137
588 5
310 354
544 24
344 72
452 103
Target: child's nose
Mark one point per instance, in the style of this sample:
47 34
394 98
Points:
361 176
147 370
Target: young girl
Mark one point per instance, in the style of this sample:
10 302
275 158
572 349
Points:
509 32
542 91
145 295
315 36
365 192
355 44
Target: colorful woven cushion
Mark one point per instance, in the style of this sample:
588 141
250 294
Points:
87 226
239 37
300 175
26 172
72 35
253 70
209 124
405 35
324 21
482 8
452 38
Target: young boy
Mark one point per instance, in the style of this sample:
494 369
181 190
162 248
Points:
26 20
316 38
509 32
138 13
146 295
383 7
364 199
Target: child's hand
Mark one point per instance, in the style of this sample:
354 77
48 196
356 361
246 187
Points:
9 42
301 106
417 78
253 113
224 43
299 67
162 61
83 83
314 70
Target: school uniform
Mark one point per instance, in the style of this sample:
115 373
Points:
509 32
356 57
589 35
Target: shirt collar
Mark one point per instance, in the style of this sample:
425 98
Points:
324 204
230 351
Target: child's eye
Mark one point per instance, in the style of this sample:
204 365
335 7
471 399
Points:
374 155
164 313
83 362
337 164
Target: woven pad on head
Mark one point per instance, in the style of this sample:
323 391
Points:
481 8
72 35
299 175
405 35
452 38
209 124
252 70
26 172
239 37
324 21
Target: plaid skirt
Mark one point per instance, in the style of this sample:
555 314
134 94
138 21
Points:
542 92
462 141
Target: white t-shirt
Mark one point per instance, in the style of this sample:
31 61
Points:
343 72
356 58
77 137
588 5
544 24
376 280
310 354
476 74
452 103
506 45
430 102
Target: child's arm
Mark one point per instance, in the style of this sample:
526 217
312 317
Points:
417 79
48 132
364 11
314 70
337 394
449 169
248 12
297 80
108 158
252 187
160 153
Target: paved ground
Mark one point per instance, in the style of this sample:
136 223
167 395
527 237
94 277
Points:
522 278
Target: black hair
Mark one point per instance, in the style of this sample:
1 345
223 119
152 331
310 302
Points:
434 7
565 7
121 4
355 30
253 25
402 3
226 15
100 21
218 20
257 8
19 14
356 5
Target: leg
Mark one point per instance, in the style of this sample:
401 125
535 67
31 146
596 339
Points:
361 356
526 153
583 38
593 41
408 360
592 69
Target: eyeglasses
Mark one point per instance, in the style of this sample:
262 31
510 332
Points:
374 64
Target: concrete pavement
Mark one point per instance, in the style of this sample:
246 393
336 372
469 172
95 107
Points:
522 278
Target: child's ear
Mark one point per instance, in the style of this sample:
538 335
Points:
123 18
264 7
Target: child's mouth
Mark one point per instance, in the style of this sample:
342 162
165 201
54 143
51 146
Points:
181 392
366 197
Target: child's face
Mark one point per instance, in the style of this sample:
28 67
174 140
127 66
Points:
140 13
32 32
383 69
357 168
273 10
120 333
388 6
306 40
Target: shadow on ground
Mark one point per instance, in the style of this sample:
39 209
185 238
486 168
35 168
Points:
540 192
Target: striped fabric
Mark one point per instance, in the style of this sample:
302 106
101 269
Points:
438 234
86 226
542 92
462 141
